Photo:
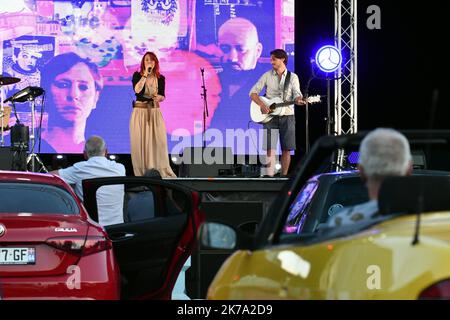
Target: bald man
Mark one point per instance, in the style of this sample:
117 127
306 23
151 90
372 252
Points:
239 51
239 42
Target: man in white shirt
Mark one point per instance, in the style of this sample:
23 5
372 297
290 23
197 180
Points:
274 83
109 198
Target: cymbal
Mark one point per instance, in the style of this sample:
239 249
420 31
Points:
4 81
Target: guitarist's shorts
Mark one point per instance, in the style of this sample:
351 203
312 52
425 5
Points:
284 127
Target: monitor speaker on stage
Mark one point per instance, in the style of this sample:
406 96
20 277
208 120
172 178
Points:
5 158
20 137
206 162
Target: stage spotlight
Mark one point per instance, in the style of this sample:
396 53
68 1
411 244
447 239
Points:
176 159
328 58
59 161
113 157
175 163
277 166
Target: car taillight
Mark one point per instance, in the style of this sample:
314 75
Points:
440 290
80 245
96 244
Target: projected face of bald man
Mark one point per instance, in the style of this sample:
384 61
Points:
238 40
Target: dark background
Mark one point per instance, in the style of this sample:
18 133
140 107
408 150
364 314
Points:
399 66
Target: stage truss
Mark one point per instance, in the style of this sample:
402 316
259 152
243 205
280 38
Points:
345 88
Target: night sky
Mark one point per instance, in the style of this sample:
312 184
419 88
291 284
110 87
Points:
400 67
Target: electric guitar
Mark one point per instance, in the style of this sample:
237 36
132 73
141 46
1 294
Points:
277 108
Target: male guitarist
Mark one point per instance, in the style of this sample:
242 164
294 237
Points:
279 82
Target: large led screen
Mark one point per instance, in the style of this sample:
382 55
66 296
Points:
217 47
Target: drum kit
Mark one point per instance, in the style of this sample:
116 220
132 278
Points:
27 94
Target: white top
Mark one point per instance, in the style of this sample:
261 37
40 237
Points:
109 198
275 87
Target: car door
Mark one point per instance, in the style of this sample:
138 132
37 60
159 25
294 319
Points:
151 245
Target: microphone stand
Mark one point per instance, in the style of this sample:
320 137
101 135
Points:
313 76
307 116
2 115
330 117
205 107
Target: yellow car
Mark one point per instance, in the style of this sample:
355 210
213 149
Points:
404 253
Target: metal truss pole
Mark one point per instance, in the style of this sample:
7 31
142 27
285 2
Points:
345 86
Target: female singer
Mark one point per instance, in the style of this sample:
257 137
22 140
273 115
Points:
147 128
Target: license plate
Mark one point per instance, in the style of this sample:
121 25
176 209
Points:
17 256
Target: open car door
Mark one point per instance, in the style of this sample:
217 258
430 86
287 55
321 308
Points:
158 234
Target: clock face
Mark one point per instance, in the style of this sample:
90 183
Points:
328 58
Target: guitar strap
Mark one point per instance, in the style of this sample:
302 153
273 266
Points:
286 85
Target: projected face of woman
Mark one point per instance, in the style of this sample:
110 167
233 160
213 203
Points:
74 93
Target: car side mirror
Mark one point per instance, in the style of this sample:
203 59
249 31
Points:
217 236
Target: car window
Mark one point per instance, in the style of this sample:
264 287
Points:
36 198
298 207
342 193
147 202
311 209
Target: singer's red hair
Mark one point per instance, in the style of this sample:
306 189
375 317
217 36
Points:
153 57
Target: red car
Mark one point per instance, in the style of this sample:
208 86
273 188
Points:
51 246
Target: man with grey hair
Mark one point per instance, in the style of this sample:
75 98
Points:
109 198
382 153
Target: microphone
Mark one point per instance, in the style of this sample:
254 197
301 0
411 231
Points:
149 69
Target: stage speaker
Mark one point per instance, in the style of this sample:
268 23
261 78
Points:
243 215
20 136
5 158
206 162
